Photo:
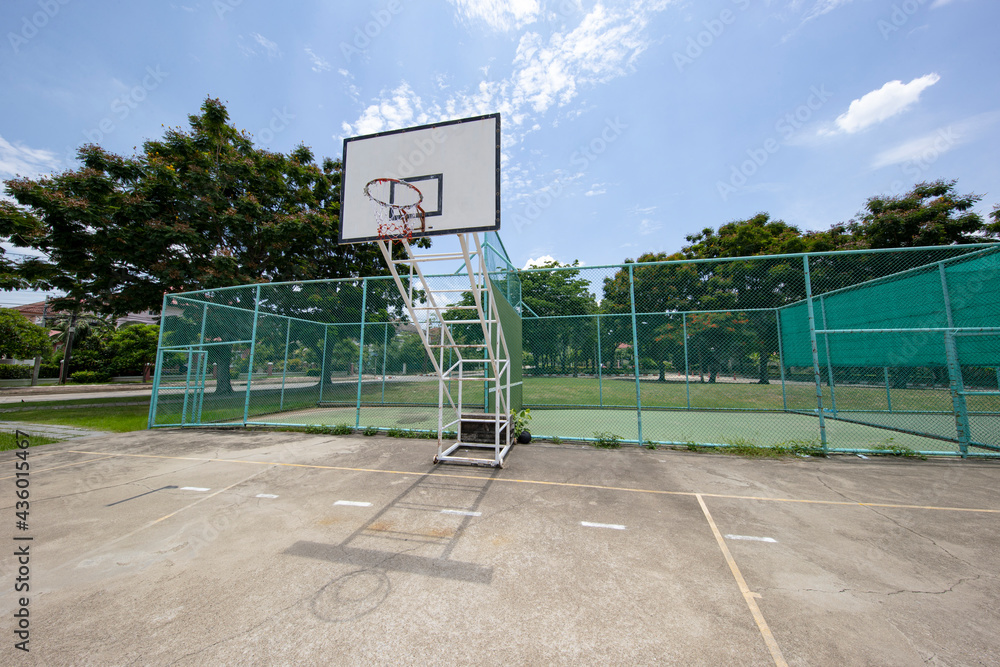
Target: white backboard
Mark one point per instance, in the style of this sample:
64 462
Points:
455 165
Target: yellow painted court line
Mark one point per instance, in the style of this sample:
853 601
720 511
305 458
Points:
561 484
68 465
748 595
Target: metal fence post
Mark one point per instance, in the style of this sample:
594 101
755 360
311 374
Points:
253 349
322 366
687 366
947 297
284 366
815 354
600 364
385 343
361 350
829 361
781 361
159 365
635 349
957 386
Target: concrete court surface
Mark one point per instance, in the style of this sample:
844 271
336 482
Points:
201 547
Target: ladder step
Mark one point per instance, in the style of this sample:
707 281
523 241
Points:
430 258
446 308
468 321
451 346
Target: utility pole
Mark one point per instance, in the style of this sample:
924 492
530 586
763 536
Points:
64 371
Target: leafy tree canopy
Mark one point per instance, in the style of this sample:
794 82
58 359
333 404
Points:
19 338
199 208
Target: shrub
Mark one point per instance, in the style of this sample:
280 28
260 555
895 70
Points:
84 377
312 372
15 372
607 440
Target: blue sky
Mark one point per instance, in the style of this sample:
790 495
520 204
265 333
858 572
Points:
626 125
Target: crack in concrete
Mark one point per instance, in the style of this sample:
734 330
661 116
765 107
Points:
950 589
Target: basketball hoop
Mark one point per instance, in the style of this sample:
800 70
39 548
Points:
396 207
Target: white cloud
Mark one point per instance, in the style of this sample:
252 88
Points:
541 261
596 189
318 63
20 160
647 226
929 147
547 72
879 105
500 15
270 48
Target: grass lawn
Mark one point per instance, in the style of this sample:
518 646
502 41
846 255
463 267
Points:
8 441
117 418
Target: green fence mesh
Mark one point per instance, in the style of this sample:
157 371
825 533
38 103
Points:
699 352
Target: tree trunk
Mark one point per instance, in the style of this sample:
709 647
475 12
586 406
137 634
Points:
762 373
222 356
663 371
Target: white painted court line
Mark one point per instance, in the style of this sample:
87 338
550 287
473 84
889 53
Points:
194 488
613 526
352 503
751 538
265 495
461 512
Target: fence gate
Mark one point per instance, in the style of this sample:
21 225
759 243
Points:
187 393
974 377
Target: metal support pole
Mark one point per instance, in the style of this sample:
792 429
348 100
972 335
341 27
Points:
159 365
201 394
888 395
187 390
947 297
815 354
385 343
635 349
253 349
829 361
600 364
284 366
361 350
957 386
781 361
687 368
322 365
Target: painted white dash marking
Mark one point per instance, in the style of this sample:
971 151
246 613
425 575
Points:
352 503
613 526
461 512
751 538
266 495
194 488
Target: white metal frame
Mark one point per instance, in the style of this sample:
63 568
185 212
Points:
496 360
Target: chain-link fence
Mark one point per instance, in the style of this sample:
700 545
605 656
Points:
866 351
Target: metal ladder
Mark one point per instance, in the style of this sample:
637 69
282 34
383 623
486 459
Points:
492 367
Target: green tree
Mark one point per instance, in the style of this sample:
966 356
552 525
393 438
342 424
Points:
19 338
198 209
929 214
130 348
559 291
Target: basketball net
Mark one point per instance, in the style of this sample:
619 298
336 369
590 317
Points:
396 207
